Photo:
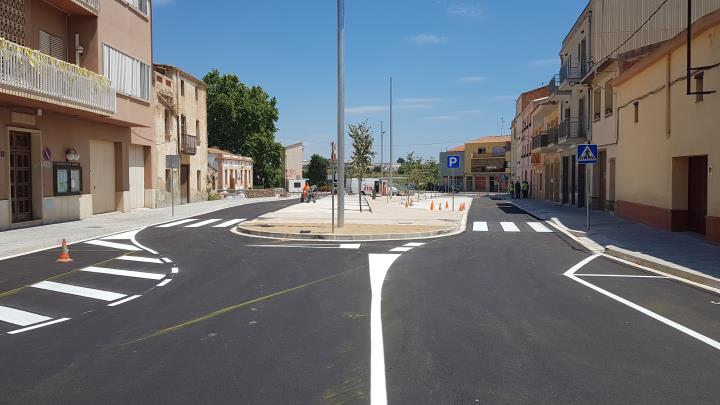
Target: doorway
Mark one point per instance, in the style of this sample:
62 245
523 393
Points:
20 176
697 193
565 179
102 176
184 184
492 184
602 163
573 184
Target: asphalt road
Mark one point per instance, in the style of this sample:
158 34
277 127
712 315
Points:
487 316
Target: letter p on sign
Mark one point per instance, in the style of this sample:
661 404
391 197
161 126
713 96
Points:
453 162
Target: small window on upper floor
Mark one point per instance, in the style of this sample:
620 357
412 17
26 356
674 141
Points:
597 107
197 128
481 151
609 103
52 45
636 106
196 93
182 88
699 87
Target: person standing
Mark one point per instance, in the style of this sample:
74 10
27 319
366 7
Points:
517 189
525 189
511 189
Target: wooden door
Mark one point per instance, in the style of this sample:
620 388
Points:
184 184
102 176
20 176
697 193
602 163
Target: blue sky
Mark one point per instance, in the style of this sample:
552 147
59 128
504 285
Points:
457 65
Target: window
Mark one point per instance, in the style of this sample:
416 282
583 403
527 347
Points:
52 45
140 5
182 88
636 106
127 74
699 86
183 125
168 123
168 180
196 93
481 151
597 104
197 128
67 179
199 182
609 106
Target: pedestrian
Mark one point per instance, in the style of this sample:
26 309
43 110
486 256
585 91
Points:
525 189
511 189
517 189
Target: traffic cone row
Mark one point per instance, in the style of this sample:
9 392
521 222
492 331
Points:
64 253
432 206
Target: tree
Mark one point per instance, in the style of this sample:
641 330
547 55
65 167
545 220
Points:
242 120
318 169
362 142
400 160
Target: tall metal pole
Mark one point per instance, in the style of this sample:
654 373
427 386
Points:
382 148
341 111
391 134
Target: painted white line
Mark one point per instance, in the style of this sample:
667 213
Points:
164 282
140 259
202 223
401 249
349 246
414 244
176 223
122 301
539 227
480 226
175 270
114 245
229 223
618 275
509 227
379 264
135 242
124 273
166 260
79 291
122 236
343 246
571 274
40 325
20 318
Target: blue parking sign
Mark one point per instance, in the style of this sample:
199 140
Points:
587 154
453 162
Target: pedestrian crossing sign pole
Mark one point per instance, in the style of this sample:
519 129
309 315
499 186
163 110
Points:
587 154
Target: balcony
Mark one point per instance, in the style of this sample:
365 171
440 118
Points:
554 88
572 131
188 144
546 140
77 7
571 72
30 74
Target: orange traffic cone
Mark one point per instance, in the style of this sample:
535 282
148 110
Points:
447 206
64 253
462 207
432 206
406 204
411 203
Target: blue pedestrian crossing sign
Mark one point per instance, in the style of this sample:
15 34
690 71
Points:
587 154
453 162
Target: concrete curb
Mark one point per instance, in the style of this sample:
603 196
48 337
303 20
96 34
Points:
651 263
663 266
347 238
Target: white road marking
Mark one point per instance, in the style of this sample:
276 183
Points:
618 275
571 274
124 273
121 236
349 246
166 260
314 246
539 227
202 223
114 245
40 325
480 226
229 223
176 223
509 227
164 282
20 318
135 242
124 300
414 244
79 291
140 259
175 270
379 264
401 249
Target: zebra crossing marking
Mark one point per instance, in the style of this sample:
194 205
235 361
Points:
176 223
509 227
202 223
79 291
20 317
539 227
479 226
229 223
124 273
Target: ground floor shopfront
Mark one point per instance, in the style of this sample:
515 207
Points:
495 182
56 168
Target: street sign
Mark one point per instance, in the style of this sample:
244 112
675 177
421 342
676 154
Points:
587 154
172 161
453 162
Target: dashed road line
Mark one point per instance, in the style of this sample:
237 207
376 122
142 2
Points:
164 282
124 273
40 325
19 317
619 275
79 291
401 249
166 260
124 300
414 244
175 270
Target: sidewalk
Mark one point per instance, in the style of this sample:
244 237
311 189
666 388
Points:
380 219
27 240
681 248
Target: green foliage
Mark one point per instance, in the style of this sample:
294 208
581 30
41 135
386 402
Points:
318 169
420 172
242 120
362 142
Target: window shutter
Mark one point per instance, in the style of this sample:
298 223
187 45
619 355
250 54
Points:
127 75
52 45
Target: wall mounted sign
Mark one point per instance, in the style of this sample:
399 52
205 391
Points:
46 153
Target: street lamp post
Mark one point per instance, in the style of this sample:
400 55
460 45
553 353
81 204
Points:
341 112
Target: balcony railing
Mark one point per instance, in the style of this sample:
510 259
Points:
573 130
572 71
188 144
546 138
44 78
93 4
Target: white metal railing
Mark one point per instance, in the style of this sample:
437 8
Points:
94 4
28 70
